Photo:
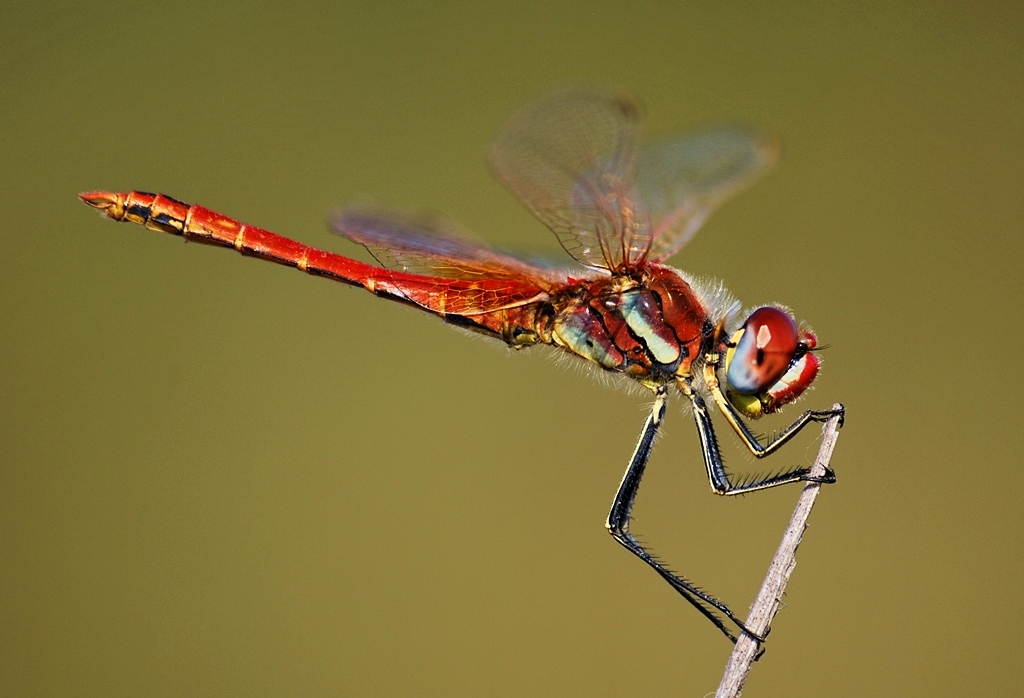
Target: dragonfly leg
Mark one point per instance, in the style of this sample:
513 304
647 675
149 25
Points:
618 525
717 475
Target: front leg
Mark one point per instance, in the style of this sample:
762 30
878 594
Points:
717 475
741 428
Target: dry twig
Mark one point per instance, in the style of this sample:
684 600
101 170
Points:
774 586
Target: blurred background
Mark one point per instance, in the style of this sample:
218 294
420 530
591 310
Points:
221 477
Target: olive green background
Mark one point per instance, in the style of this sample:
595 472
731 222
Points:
221 477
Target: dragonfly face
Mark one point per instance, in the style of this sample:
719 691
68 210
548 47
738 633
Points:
768 362
619 210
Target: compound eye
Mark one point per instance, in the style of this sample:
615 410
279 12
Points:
766 345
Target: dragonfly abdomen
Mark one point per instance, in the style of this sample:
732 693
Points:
513 310
163 213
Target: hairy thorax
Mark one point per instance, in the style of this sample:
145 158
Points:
649 326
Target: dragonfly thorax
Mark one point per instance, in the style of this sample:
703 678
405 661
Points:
650 328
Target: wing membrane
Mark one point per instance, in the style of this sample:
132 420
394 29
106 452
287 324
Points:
433 247
570 160
464 296
682 180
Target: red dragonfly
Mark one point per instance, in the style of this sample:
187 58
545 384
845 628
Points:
619 210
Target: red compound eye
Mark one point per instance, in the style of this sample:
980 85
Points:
766 347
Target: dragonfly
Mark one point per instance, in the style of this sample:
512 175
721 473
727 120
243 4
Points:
619 209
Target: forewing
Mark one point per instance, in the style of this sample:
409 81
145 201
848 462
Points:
433 247
682 180
570 160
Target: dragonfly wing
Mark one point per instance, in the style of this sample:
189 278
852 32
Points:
434 247
464 296
570 160
432 264
682 180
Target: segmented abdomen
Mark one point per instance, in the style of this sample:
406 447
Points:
514 310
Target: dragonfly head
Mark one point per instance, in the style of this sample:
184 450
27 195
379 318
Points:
768 362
